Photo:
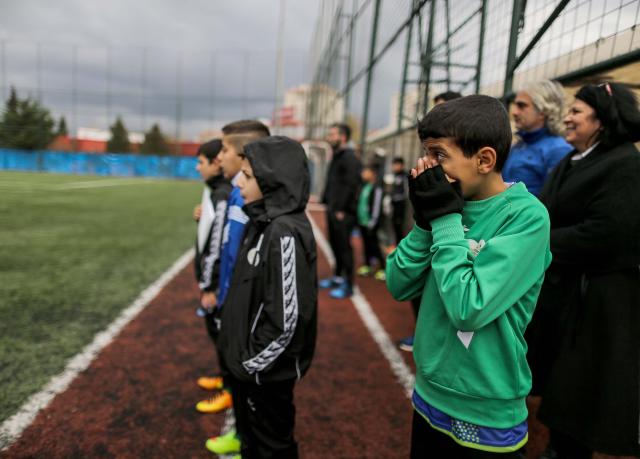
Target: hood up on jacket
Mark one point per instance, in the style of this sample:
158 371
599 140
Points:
280 166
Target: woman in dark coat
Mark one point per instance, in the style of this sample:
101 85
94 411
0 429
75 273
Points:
585 334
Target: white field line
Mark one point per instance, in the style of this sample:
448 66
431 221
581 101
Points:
322 242
101 184
12 428
398 366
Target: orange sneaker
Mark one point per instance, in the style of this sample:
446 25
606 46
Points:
210 383
215 404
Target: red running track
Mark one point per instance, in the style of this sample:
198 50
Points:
137 398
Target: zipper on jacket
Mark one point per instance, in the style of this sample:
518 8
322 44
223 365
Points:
253 256
298 368
255 321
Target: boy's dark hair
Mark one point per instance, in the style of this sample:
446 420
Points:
374 167
344 130
447 96
240 133
246 127
472 122
398 160
617 109
210 149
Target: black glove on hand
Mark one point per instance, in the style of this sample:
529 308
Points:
433 196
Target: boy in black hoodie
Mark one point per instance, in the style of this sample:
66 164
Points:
268 335
210 215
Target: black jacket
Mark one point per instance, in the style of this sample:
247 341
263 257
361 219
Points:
584 338
400 189
268 324
343 182
207 260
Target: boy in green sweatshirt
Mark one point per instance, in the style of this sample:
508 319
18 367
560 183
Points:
477 253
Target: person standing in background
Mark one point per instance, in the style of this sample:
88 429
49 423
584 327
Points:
537 112
399 198
340 197
369 216
584 339
445 97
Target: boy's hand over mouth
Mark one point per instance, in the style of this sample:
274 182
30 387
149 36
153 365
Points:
432 193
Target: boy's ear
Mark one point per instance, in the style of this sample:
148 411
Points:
486 160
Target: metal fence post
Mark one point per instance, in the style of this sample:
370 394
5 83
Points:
483 20
367 94
405 68
516 20
426 59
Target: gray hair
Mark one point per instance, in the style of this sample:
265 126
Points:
548 99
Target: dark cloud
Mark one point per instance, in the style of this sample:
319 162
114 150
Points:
154 60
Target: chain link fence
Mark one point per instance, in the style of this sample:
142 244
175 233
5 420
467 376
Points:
377 64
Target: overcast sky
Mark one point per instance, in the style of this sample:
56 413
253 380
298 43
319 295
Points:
207 62
218 54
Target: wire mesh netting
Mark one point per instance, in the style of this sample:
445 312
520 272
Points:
376 58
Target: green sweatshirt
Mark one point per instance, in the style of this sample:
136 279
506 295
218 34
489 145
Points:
480 274
364 217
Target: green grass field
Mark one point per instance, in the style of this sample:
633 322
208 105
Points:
74 251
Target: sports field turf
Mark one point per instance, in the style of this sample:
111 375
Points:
74 251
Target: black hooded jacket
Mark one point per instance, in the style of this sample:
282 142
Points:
268 327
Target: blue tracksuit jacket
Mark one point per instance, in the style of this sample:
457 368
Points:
231 238
531 159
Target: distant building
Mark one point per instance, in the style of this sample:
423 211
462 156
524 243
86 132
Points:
91 140
291 118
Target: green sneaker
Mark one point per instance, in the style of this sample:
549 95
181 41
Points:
224 444
380 275
364 271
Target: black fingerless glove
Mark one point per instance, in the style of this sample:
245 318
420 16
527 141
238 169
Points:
433 196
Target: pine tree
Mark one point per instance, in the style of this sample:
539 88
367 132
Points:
25 124
62 127
154 142
119 141
12 103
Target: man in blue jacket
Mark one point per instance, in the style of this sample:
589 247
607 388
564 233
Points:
537 112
